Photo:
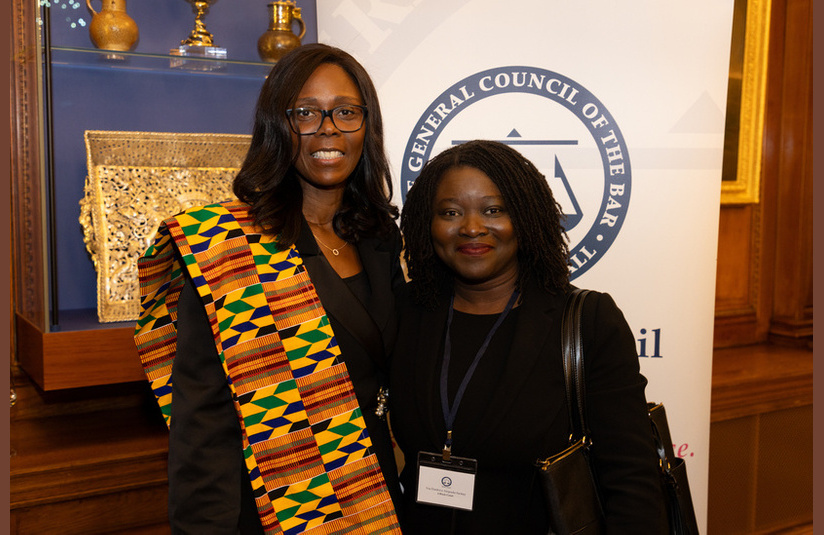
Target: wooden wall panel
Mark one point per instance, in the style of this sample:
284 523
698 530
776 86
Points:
751 380
762 399
792 316
751 487
731 481
738 280
785 460
762 394
764 279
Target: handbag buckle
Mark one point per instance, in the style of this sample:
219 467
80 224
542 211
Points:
583 442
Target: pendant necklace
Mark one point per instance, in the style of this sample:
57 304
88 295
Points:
335 252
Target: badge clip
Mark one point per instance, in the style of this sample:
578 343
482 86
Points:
447 447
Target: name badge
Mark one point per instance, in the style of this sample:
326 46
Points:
446 483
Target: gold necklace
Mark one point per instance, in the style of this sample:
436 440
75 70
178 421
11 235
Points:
335 252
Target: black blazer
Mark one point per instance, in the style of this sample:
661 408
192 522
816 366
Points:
526 419
209 488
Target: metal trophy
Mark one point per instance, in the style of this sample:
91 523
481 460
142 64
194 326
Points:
200 43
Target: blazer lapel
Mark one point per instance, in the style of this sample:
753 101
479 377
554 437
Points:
337 300
376 262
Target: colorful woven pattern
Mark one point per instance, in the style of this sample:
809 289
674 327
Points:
305 441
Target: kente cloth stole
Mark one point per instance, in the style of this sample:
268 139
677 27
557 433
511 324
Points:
307 450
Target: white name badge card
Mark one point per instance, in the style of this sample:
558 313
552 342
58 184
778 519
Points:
446 483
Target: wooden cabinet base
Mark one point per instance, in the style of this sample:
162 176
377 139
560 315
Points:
79 358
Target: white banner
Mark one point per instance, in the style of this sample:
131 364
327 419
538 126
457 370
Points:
622 106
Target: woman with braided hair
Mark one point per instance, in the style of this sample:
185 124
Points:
477 376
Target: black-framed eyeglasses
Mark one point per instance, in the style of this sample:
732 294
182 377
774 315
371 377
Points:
346 118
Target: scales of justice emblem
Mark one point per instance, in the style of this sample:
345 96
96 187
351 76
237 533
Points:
589 172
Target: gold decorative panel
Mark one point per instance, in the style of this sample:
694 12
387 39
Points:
135 181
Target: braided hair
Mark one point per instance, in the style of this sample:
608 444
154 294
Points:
543 253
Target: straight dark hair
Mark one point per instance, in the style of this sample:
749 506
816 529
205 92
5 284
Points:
268 181
543 253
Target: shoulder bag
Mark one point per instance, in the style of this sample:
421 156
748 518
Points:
568 478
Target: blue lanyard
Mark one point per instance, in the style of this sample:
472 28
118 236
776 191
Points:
449 414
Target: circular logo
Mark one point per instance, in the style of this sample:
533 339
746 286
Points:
555 122
446 481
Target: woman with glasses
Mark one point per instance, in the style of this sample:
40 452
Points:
267 319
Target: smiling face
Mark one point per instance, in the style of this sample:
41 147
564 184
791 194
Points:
326 158
472 232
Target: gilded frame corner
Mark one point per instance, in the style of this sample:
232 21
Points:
745 188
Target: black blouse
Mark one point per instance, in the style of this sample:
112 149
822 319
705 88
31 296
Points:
467 334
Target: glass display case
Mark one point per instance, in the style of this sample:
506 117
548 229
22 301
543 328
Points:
63 86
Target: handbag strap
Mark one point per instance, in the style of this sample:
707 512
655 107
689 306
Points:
573 357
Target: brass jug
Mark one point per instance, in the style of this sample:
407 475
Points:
112 28
279 38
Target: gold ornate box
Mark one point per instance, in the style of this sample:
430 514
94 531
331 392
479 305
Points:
135 181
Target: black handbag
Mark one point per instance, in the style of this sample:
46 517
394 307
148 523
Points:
569 484
567 478
673 471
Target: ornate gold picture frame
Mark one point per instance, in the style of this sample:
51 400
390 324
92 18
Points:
741 176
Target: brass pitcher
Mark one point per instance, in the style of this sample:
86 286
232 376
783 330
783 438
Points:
112 28
279 38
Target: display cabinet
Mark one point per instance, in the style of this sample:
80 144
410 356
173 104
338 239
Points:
64 86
